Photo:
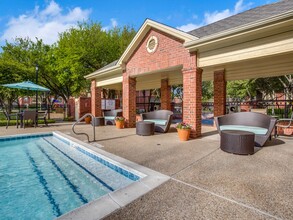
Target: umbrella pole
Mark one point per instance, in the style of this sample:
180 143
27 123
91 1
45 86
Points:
37 68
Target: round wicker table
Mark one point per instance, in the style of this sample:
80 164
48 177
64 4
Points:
145 128
237 142
98 121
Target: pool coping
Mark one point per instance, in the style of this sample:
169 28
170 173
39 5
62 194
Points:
105 205
113 201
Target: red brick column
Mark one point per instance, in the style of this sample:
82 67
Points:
219 93
165 95
96 105
192 94
129 100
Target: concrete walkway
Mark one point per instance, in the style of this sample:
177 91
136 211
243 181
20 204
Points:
206 183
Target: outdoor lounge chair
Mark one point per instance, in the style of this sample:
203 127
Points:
161 118
110 116
9 116
260 124
280 123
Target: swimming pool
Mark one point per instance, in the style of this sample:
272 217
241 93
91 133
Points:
44 176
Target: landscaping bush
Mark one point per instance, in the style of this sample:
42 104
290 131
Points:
13 122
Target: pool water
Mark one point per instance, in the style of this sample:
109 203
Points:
45 177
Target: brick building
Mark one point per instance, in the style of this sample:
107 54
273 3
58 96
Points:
255 43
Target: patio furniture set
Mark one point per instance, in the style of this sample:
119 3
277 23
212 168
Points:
25 116
240 132
156 121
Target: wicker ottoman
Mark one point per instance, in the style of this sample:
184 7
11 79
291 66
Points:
145 128
237 142
98 121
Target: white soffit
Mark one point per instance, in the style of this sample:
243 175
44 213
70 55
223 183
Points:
109 81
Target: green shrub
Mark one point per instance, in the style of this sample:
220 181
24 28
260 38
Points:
13 122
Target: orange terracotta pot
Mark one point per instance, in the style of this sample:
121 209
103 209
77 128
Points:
87 120
183 134
119 124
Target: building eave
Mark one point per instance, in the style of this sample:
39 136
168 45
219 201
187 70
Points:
236 32
111 70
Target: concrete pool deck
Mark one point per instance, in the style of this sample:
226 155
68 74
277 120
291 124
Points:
205 183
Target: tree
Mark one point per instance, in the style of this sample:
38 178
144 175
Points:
15 66
207 90
82 50
241 89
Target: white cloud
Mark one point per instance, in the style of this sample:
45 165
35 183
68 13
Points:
114 23
188 27
210 17
44 24
216 16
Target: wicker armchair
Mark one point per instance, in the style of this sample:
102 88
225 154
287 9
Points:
161 118
110 116
258 123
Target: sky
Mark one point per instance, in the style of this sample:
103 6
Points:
44 19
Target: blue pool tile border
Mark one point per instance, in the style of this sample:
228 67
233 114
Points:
29 136
114 167
106 163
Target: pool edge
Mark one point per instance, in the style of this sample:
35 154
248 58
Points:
113 201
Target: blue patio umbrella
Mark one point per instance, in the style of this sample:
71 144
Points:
28 85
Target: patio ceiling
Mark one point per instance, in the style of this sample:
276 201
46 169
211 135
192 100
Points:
149 80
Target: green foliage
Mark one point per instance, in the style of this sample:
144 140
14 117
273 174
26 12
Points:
279 112
240 89
207 90
62 66
84 49
177 91
13 122
183 125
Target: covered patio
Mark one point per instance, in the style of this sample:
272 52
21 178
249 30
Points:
248 45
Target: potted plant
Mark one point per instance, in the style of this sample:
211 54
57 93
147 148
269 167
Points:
88 119
119 121
183 130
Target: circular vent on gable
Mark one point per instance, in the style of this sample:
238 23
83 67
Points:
152 44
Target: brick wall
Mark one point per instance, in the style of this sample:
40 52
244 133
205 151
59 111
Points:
192 93
165 95
84 106
219 93
129 100
170 52
96 98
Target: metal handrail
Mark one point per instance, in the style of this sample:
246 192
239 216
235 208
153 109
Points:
83 117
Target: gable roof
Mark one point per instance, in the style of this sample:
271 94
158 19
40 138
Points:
246 17
147 25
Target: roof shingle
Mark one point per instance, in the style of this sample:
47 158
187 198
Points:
245 17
